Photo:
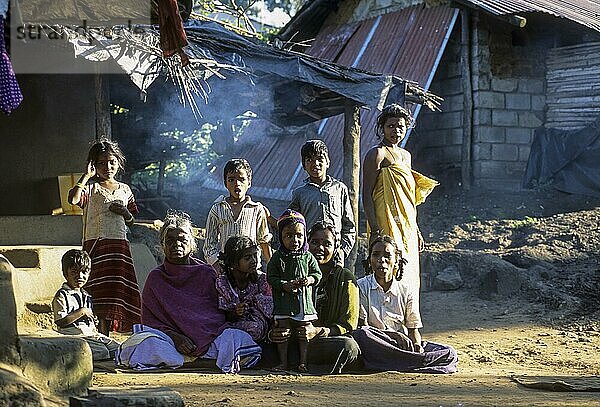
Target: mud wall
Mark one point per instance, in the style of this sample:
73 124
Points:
47 135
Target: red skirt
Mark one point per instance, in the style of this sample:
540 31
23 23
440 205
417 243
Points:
113 284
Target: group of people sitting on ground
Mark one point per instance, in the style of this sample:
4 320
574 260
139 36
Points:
228 309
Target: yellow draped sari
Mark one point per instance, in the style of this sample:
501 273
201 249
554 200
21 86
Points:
397 192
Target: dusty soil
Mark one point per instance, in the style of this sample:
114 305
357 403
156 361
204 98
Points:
539 317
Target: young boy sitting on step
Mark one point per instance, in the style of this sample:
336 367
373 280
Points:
72 306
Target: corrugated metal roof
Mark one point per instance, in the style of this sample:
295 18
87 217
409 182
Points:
406 43
585 12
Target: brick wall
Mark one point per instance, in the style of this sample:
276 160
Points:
508 101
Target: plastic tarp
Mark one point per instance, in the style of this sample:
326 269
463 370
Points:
567 160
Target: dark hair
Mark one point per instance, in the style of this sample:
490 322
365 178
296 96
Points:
233 252
312 148
400 261
237 164
393 110
103 146
76 258
177 220
324 225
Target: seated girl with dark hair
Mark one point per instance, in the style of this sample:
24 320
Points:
244 293
389 338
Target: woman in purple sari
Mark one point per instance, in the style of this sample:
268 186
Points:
180 312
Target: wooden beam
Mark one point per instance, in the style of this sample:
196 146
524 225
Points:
102 106
351 165
467 87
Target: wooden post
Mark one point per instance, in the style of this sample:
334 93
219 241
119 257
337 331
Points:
351 166
102 106
467 87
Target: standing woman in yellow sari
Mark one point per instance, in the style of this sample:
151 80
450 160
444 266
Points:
392 191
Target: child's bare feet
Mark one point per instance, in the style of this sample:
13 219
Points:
302 368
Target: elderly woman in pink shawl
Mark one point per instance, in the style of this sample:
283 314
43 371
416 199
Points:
180 305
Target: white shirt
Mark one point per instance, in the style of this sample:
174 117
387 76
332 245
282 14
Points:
68 300
394 309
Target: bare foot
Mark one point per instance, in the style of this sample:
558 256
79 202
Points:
302 368
280 368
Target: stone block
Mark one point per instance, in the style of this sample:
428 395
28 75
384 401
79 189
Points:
529 120
453 69
129 396
518 135
538 102
483 99
452 154
448 279
481 82
452 86
482 151
452 103
488 134
16 391
518 101
8 315
505 118
524 153
482 117
504 85
60 364
436 138
505 152
532 85
143 261
451 120
493 169
454 137
40 230
516 169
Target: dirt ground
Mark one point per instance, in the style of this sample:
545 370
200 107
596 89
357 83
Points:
543 326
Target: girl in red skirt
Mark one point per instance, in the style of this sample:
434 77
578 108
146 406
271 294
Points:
108 208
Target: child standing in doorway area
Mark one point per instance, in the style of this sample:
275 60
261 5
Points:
108 208
72 306
236 215
293 272
244 292
324 198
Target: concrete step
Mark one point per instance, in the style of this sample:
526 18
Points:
37 273
57 364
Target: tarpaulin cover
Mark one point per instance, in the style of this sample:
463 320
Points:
287 76
567 160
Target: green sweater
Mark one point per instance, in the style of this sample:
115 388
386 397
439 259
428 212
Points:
338 301
283 268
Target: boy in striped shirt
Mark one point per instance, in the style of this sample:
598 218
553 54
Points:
236 215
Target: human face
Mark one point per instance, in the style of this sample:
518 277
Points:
249 260
77 277
177 246
383 261
322 245
316 167
394 130
107 166
292 236
237 183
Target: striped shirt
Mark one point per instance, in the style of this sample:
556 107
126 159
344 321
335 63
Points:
221 225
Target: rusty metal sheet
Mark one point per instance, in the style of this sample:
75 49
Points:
407 43
585 12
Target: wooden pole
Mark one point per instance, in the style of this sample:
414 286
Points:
467 87
351 167
102 107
